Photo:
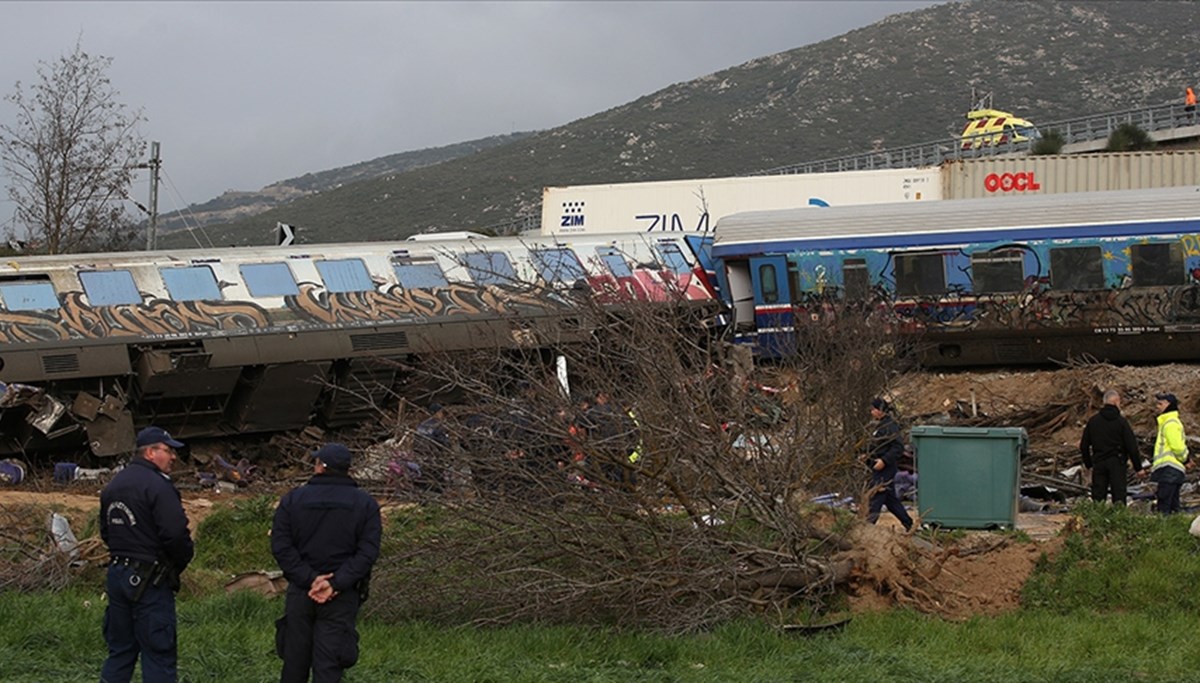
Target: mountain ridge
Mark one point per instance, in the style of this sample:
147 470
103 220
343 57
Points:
902 80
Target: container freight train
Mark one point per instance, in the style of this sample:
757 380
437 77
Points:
1110 275
694 206
223 341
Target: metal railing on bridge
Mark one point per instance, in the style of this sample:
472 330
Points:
1082 129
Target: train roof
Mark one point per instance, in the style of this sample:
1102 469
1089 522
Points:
921 224
454 242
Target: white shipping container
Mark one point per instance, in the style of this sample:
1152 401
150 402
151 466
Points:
1052 174
696 205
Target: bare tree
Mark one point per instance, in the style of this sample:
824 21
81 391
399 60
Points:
70 156
696 496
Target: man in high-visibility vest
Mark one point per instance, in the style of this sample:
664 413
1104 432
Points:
1170 455
1189 100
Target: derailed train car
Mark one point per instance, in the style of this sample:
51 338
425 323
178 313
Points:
224 341
1111 275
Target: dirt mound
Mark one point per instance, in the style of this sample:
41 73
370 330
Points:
979 574
1052 405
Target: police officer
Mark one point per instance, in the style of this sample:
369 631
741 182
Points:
325 537
886 448
143 523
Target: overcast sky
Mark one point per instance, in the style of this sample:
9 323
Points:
243 94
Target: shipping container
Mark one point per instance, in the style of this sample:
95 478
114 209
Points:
696 205
1052 174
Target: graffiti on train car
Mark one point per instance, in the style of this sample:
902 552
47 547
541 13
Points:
395 303
152 318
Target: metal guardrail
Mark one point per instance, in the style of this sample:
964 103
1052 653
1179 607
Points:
1081 129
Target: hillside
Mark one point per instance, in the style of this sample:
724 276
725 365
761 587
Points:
235 204
902 80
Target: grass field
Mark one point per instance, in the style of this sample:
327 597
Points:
229 638
1118 603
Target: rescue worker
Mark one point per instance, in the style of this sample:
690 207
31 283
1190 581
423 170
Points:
1170 453
432 448
1107 443
1189 100
143 524
325 537
614 434
887 447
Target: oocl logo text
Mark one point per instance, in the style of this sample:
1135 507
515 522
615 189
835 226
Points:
1011 182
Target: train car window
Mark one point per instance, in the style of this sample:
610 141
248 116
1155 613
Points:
490 268
1156 265
855 278
1076 268
998 271
558 265
269 279
673 257
110 287
770 288
920 274
614 261
345 275
191 284
26 295
419 274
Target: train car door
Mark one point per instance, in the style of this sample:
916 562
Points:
734 280
773 317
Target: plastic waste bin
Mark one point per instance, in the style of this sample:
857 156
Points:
968 477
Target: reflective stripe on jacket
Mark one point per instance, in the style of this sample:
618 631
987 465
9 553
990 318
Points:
1170 449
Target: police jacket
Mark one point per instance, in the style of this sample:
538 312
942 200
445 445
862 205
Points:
1108 435
327 525
141 517
888 446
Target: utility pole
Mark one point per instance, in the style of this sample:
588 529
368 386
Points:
154 164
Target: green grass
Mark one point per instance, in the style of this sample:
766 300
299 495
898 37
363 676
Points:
1121 560
229 638
1117 604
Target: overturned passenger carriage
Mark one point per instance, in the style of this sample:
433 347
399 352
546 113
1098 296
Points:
225 341
1109 275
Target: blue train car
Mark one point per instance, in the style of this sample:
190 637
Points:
1016 280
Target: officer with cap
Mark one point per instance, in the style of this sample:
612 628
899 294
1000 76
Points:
325 537
143 524
887 445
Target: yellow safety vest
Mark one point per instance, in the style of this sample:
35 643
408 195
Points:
1170 449
637 450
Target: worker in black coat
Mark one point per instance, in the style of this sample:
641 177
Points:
325 537
887 446
143 524
1108 442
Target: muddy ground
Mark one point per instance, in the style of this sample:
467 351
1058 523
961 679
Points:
977 573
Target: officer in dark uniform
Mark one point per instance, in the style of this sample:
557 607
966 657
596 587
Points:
325 537
143 524
887 446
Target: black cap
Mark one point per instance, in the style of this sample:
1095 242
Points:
435 407
1169 398
880 404
152 435
335 456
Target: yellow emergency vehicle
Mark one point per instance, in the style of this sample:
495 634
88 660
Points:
992 127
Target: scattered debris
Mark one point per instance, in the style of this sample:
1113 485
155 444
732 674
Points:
267 583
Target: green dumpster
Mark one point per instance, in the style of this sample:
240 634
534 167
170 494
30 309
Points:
968 477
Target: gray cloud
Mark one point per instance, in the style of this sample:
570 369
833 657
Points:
242 94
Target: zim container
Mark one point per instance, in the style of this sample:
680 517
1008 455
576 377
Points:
968 477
